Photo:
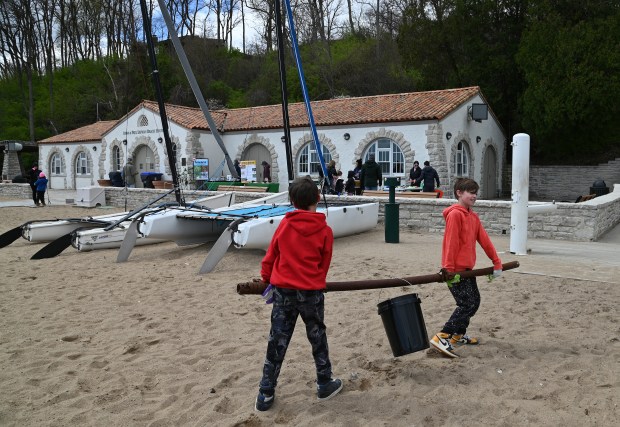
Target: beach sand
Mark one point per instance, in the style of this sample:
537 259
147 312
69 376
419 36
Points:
86 341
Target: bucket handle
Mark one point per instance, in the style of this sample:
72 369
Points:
395 278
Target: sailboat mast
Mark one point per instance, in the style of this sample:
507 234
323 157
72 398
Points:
194 85
160 100
304 88
283 90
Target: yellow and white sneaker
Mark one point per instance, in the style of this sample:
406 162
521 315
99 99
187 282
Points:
463 339
441 341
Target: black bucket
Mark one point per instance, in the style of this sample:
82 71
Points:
404 324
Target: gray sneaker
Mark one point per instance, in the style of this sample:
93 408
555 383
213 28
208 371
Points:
329 390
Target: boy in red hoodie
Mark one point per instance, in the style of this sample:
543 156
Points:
296 266
463 230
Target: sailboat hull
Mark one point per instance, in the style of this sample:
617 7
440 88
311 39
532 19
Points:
186 227
47 231
343 220
98 238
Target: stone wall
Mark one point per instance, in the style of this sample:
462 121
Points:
564 183
16 191
586 221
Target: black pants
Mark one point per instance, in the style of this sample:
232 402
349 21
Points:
40 197
34 194
288 304
467 299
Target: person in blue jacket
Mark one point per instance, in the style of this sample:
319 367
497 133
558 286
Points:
41 185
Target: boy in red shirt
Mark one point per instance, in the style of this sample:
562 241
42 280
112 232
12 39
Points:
463 230
296 266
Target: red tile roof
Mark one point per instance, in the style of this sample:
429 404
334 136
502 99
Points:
402 107
88 133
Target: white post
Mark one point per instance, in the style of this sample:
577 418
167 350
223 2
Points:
520 193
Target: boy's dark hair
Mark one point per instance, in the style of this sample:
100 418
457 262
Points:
427 163
350 174
303 193
465 184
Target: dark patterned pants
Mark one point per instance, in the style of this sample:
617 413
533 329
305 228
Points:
467 299
288 304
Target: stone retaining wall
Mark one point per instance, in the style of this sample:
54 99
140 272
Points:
15 191
585 221
564 183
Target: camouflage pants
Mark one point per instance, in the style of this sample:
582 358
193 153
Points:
467 299
288 304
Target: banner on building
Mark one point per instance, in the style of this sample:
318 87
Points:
201 169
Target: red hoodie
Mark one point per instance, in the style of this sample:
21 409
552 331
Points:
300 252
463 230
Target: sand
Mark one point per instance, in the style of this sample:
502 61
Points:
86 341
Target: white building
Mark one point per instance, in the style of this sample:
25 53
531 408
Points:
437 126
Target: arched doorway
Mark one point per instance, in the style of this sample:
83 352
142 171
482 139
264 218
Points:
489 174
144 161
258 153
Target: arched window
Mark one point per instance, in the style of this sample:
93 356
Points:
388 155
143 121
56 165
81 164
461 159
308 160
116 158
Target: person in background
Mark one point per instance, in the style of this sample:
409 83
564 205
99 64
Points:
129 174
357 170
458 253
429 176
266 171
349 186
33 175
414 173
339 186
237 169
41 186
370 178
332 174
295 267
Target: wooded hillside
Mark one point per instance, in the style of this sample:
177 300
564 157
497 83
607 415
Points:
550 68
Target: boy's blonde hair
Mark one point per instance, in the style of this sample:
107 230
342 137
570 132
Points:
465 184
303 193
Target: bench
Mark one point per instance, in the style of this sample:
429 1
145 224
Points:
242 188
405 194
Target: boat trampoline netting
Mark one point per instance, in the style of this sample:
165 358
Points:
264 211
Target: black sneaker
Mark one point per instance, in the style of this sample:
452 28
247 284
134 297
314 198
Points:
264 402
329 390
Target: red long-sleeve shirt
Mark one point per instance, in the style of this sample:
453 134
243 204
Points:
300 252
463 230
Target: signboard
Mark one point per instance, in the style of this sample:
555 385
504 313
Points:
248 170
201 169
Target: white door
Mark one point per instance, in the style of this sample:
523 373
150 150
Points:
144 161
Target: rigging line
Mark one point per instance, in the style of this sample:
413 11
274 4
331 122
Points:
126 193
283 91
